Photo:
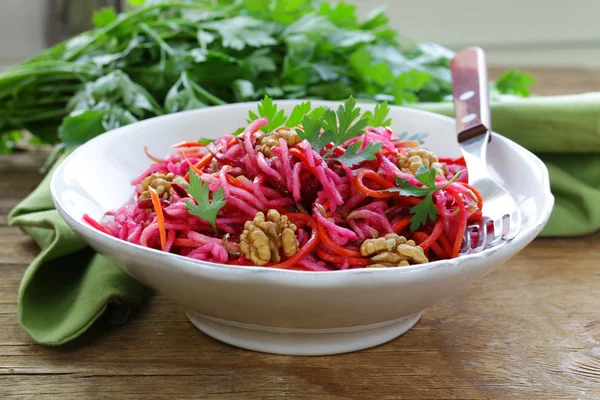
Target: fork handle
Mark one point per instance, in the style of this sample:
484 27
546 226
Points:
471 96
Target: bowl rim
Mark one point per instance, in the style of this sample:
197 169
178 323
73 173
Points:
182 261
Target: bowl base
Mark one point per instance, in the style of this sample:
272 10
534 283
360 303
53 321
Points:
302 342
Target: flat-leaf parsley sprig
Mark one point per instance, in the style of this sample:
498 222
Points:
338 127
206 209
426 208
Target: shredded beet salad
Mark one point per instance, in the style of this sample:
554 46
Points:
318 190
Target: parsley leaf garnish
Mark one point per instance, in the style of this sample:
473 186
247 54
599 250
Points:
425 209
337 128
269 110
352 155
206 210
298 114
312 132
379 117
342 124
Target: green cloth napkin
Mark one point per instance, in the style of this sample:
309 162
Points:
67 287
563 131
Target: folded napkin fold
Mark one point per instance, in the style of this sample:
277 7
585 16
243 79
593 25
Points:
68 287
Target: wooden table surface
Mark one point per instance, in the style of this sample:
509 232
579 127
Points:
531 329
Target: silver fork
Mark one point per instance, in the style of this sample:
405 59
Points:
501 217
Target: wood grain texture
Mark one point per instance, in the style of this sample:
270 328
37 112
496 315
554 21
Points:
530 330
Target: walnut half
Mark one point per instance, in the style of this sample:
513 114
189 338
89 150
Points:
391 251
161 183
263 239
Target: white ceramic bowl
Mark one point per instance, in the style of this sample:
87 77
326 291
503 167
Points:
279 311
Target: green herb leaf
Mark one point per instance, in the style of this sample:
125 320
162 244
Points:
205 38
298 114
422 211
341 14
269 110
353 155
317 113
515 82
239 131
241 31
342 123
407 189
103 17
231 51
261 61
426 208
81 126
375 18
312 133
379 117
205 209
426 176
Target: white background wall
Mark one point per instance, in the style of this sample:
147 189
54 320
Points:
513 32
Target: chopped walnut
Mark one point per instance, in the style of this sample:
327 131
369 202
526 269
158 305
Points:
263 239
267 141
391 251
162 184
416 158
386 243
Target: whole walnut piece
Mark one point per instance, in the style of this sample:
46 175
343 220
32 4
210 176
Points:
391 251
162 184
416 158
266 142
263 240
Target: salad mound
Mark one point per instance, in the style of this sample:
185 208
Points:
318 190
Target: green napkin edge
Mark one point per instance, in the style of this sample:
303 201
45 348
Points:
50 321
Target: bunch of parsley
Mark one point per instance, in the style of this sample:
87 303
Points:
167 56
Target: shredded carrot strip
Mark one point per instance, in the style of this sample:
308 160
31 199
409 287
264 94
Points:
458 161
150 156
362 262
291 262
187 144
182 242
445 243
400 225
232 181
437 231
358 181
193 167
159 217
307 219
422 237
334 247
439 251
299 154
476 216
411 201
